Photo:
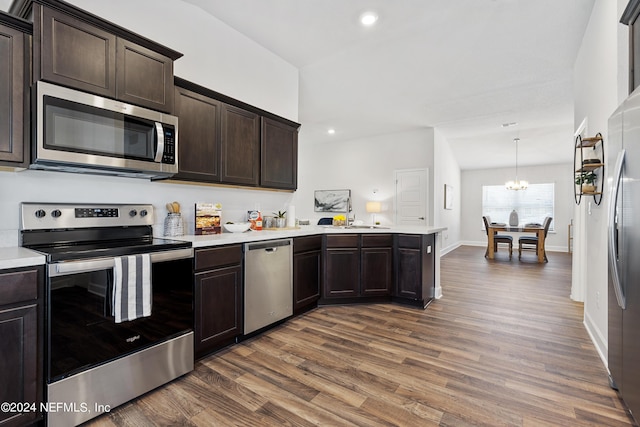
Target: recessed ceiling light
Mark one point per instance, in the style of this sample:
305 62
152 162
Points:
368 19
331 131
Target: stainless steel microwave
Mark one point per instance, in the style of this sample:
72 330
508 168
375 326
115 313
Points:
80 132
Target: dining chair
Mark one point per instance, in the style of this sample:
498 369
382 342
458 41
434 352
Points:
530 243
498 238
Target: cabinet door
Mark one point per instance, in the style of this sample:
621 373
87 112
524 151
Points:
218 308
74 53
342 273
19 367
409 273
240 146
306 279
199 136
12 95
144 77
376 271
279 155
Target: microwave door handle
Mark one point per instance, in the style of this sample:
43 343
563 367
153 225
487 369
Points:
160 142
613 243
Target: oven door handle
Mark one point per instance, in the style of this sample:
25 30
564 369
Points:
86 266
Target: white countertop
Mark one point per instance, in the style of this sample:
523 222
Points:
14 257
305 230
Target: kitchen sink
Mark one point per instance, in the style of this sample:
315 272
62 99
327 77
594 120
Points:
366 226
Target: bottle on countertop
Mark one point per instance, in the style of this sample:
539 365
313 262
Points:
259 221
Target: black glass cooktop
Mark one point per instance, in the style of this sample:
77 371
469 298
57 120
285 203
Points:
65 245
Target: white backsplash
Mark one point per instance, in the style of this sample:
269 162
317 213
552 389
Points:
45 186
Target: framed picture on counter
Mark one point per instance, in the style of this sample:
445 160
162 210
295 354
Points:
332 201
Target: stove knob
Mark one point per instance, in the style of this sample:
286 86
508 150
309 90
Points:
40 213
143 213
133 212
56 213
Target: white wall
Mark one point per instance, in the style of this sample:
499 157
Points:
215 56
600 85
472 232
362 165
446 171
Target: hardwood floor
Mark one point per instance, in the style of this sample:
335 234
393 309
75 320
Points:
505 346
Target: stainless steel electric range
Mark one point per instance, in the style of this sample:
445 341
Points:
100 349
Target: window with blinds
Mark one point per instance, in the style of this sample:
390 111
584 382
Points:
533 204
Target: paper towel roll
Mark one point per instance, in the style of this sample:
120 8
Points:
291 216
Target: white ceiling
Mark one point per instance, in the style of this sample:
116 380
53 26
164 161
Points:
464 67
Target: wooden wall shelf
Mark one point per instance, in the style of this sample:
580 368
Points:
595 143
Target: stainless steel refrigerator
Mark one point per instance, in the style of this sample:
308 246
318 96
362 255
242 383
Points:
623 163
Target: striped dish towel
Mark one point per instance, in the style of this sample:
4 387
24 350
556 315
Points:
131 287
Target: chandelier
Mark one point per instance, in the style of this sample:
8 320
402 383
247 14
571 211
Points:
517 184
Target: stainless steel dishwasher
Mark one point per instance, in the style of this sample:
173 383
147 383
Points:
268 283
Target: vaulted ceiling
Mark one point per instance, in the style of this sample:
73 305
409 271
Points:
464 67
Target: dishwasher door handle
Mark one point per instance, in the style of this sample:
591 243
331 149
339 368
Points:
269 246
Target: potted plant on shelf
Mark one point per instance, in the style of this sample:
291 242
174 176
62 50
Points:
280 219
587 179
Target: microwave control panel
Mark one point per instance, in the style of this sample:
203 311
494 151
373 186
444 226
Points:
169 155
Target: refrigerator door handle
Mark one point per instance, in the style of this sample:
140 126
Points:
613 231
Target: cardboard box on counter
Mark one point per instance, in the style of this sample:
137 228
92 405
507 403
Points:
208 218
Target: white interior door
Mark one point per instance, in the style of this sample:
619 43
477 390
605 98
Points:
411 196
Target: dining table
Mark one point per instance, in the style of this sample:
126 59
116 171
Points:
494 228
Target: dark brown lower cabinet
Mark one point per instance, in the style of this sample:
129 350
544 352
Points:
377 265
414 269
341 266
358 266
307 265
218 298
21 352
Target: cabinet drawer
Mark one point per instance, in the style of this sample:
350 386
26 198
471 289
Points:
218 257
342 241
409 241
377 240
306 244
18 286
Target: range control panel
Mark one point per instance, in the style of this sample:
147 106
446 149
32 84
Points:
97 212
51 216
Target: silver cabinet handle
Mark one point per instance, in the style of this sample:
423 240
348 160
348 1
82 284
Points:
613 231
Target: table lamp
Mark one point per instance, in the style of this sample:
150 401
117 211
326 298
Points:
373 208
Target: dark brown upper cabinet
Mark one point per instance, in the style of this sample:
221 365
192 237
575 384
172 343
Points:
76 49
14 100
199 137
143 77
279 155
240 146
74 53
225 141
